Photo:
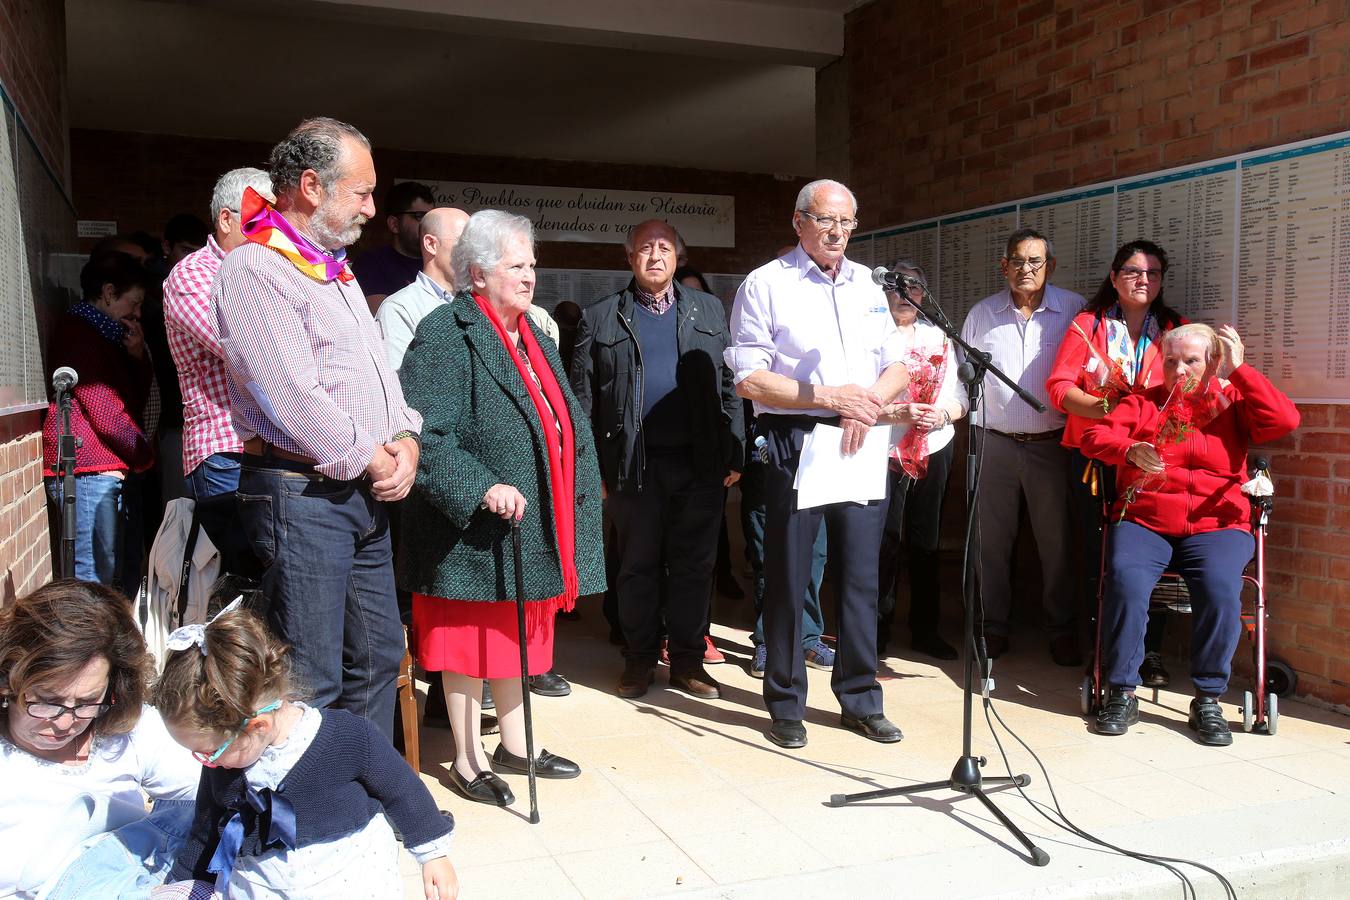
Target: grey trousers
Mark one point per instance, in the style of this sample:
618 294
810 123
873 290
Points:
1037 471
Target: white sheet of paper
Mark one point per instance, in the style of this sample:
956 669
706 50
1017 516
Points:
825 475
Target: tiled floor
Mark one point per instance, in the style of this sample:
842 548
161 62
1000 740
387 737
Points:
688 798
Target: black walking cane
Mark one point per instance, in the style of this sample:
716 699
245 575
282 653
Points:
524 668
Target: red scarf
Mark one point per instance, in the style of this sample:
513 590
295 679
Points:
561 449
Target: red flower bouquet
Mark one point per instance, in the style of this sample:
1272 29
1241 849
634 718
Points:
926 372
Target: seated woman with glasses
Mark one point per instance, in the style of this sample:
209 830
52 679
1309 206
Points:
1112 349
1181 448
79 754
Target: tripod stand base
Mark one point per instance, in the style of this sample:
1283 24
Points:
965 779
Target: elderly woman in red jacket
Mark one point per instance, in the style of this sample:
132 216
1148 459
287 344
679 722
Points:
1181 452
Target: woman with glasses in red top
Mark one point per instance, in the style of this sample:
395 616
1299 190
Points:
80 755
1112 350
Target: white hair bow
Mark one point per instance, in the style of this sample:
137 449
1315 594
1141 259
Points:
188 635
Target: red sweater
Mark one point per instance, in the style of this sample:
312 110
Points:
108 402
1205 472
1073 355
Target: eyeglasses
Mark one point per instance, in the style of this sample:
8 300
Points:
829 223
1032 265
52 711
210 761
416 214
1134 273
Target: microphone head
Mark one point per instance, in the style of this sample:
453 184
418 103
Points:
65 378
1261 464
881 276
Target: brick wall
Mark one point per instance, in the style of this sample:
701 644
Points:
25 552
33 74
954 105
140 180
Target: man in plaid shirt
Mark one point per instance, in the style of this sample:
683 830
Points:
328 439
211 448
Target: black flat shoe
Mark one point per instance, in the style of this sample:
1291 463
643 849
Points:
546 765
788 733
1120 711
486 788
550 684
1153 673
1208 722
875 727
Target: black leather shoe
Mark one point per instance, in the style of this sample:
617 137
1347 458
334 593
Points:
788 733
1120 711
1152 673
1065 652
546 765
697 683
550 684
1208 722
635 679
934 646
875 727
486 788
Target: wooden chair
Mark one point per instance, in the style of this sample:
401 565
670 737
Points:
407 702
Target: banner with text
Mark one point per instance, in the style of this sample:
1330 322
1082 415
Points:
596 216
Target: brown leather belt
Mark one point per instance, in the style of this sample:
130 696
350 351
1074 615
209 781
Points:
256 446
1023 437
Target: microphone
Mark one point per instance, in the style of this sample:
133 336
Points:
892 280
64 378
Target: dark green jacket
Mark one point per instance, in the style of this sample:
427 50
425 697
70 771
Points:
480 429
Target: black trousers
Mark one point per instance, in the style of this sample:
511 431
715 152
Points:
667 546
916 516
789 533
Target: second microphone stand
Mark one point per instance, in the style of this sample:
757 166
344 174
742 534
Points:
966 777
65 470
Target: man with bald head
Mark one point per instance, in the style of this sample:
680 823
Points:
648 370
402 310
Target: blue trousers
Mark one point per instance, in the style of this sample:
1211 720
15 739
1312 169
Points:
789 535
328 580
108 541
217 474
128 862
1211 564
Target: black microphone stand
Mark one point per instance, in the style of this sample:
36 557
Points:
966 777
65 461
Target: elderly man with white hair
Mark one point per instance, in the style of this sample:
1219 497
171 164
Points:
210 446
812 341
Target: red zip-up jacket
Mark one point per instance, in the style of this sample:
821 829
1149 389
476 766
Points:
1073 356
1205 472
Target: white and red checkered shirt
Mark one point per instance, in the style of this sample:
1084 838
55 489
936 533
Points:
195 344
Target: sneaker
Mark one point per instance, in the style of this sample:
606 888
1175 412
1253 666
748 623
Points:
760 661
1208 722
1120 712
711 655
1152 673
820 657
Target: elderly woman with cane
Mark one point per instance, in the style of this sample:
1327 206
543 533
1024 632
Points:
499 450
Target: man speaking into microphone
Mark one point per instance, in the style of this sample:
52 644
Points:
812 342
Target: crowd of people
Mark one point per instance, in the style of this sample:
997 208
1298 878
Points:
381 430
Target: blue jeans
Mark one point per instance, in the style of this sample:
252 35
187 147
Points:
107 537
328 580
1211 563
217 474
128 862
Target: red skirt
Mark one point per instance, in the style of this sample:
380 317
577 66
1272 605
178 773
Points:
480 638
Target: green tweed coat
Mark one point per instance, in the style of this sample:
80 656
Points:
480 429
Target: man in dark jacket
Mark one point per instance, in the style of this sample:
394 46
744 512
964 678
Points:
648 369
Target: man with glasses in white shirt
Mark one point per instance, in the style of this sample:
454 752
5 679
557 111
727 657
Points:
1021 328
812 341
